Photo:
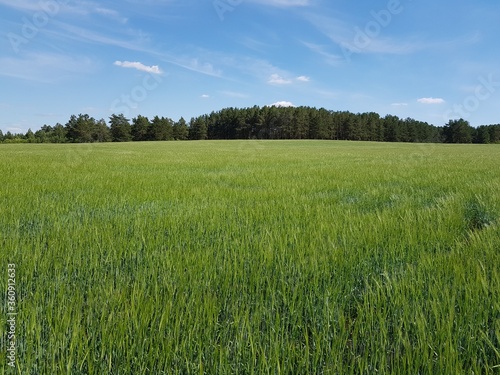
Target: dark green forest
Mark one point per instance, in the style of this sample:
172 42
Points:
259 123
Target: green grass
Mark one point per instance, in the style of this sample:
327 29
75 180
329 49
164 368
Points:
252 257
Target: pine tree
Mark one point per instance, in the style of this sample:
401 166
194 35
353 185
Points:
120 128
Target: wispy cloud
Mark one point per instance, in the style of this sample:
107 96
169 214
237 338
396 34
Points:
253 44
24 5
351 39
155 69
276 79
205 96
131 40
45 67
112 14
202 67
283 3
55 8
194 64
150 2
260 69
399 104
431 100
234 94
330 58
137 41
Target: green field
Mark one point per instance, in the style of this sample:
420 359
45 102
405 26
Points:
252 257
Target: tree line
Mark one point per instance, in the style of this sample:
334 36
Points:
259 123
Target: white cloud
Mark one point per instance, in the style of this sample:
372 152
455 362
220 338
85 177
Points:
205 96
276 79
282 104
234 94
399 104
139 66
303 79
137 41
431 100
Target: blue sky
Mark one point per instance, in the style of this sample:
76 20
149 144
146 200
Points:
429 60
